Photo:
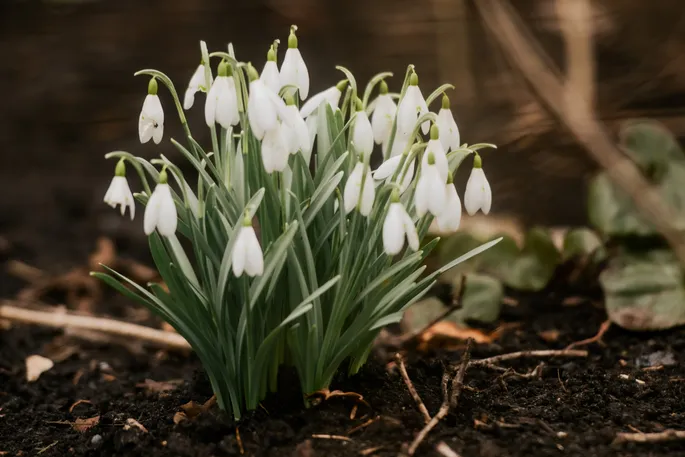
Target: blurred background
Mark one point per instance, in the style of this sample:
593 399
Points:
68 94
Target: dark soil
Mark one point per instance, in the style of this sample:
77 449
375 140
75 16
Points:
575 408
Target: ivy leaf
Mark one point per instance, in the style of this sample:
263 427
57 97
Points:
532 269
482 299
582 243
645 291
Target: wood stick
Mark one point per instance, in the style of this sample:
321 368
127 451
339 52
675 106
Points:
524 354
666 435
525 55
412 390
444 450
153 336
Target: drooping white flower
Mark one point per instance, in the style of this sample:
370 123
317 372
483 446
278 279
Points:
197 83
383 115
478 194
396 227
247 254
359 189
430 190
362 134
275 149
297 134
221 105
151 119
331 95
450 218
449 132
387 170
270 75
399 145
118 192
160 211
411 107
293 69
264 107
435 148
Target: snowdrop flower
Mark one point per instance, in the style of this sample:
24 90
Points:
398 226
359 186
478 194
296 135
387 170
275 149
197 83
331 95
434 146
450 218
430 190
383 116
399 144
293 69
270 75
119 193
362 133
222 101
151 120
264 107
449 132
411 107
247 254
160 211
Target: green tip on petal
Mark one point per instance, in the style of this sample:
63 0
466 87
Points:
342 84
252 73
445 101
431 158
271 55
358 104
292 38
120 169
163 178
384 87
414 79
223 68
152 87
247 220
477 161
435 132
289 99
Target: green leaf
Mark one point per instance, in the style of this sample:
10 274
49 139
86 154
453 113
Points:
482 299
650 145
581 243
644 291
534 266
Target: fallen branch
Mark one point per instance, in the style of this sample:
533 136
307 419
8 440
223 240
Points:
449 401
167 340
412 389
490 361
659 437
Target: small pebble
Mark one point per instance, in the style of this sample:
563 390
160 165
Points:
96 440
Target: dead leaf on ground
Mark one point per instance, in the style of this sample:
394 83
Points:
327 394
79 402
159 387
550 336
82 425
36 365
131 423
192 409
443 333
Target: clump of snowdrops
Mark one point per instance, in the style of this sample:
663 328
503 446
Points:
289 249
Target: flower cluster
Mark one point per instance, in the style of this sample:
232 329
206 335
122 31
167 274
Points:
298 168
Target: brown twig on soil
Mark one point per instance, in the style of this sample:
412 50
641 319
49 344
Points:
412 390
595 339
493 361
240 441
526 55
332 437
167 340
658 437
445 451
448 402
364 425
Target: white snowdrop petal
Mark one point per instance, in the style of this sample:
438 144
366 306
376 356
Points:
475 191
167 217
368 195
189 99
362 136
408 177
239 254
422 195
152 210
331 95
312 123
436 203
486 203
158 133
441 162
211 102
254 259
393 230
410 231
450 219
294 72
353 188
387 168
270 76
382 118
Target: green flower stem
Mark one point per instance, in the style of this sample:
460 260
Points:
372 84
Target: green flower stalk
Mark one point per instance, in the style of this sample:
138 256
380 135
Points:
289 249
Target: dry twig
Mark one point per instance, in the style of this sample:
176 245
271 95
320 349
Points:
444 450
149 335
493 361
659 437
412 389
449 401
595 339
332 437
